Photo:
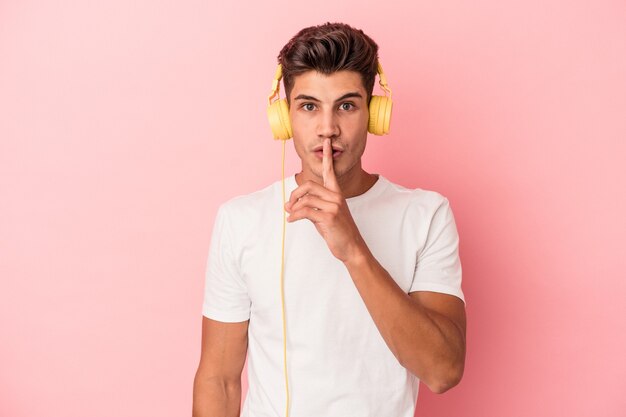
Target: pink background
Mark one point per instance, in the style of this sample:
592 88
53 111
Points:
123 126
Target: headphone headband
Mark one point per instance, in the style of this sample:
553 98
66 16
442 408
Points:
276 83
383 79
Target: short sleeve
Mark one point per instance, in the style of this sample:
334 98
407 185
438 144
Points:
438 265
225 293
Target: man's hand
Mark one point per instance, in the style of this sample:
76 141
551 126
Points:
326 207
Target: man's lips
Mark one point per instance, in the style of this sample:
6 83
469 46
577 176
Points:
319 151
320 154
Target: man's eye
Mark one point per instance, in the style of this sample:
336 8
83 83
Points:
307 108
347 104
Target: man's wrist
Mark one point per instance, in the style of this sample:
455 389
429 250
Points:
360 255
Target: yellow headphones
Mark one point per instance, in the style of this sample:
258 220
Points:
278 111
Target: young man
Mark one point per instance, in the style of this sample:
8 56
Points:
372 286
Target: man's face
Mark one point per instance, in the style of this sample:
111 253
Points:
329 106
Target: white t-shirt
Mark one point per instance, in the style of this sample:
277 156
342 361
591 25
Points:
338 363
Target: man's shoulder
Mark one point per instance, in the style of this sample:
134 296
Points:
414 195
252 203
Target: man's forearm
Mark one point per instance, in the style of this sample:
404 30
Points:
427 344
215 397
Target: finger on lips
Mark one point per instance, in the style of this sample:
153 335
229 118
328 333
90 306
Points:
315 192
327 160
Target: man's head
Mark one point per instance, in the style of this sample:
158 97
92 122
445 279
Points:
329 73
329 48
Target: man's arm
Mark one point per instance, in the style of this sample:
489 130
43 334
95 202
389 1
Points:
217 384
424 330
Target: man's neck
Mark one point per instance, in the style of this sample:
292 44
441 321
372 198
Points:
350 186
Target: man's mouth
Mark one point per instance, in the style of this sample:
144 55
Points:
320 154
319 151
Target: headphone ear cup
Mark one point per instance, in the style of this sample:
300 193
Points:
380 115
373 110
278 115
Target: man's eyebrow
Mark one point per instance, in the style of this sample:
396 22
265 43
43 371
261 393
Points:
345 96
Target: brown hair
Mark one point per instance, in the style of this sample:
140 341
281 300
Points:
329 48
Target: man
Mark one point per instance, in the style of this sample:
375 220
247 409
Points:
372 287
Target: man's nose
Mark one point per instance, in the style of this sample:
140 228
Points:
328 126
